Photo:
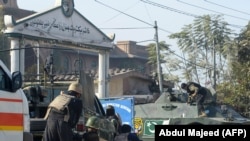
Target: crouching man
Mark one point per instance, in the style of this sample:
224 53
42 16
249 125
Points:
63 114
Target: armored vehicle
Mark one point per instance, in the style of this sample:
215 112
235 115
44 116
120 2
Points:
172 109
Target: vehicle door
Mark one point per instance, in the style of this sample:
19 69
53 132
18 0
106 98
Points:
11 110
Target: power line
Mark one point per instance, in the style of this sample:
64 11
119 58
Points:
118 14
129 28
147 12
181 12
173 52
125 13
212 10
133 17
227 7
169 8
161 6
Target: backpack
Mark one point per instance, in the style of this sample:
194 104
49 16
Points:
121 137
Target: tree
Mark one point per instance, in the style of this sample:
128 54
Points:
151 48
202 44
167 60
209 49
238 90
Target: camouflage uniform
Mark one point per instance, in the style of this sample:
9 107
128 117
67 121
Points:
93 124
111 116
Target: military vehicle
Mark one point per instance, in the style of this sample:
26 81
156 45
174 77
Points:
172 109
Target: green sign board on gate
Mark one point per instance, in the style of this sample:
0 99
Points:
149 126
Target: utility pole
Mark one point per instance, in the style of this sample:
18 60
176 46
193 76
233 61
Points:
214 59
158 58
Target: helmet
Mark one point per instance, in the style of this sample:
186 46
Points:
183 85
75 86
110 107
110 110
93 122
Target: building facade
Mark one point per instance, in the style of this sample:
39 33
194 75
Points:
129 73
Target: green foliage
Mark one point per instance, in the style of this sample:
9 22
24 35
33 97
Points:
208 40
151 48
202 42
237 90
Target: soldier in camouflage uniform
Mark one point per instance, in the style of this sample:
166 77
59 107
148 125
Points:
92 129
99 129
113 117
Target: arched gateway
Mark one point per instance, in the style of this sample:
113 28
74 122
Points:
64 27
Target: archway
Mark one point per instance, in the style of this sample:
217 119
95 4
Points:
65 29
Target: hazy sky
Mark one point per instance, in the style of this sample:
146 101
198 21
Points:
134 19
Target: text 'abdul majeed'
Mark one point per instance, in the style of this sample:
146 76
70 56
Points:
189 132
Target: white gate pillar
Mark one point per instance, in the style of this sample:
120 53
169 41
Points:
103 74
16 56
107 77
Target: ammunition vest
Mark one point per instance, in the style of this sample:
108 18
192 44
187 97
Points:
60 103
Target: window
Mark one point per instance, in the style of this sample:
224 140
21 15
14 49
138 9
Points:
4 80
66 64
79 63
94 64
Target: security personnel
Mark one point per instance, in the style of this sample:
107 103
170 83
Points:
114 117
195 90
92 133
63 114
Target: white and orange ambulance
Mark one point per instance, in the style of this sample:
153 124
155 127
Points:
14 111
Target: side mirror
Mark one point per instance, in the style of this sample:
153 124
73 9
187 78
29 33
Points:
16 81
